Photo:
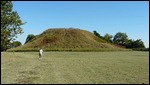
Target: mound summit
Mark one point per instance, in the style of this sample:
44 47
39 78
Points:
66 39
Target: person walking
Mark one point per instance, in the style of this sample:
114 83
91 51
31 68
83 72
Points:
40 53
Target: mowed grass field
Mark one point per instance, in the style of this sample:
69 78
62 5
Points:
122 67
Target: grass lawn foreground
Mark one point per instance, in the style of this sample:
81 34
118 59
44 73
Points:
120 67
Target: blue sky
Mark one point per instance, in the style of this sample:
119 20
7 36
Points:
130 17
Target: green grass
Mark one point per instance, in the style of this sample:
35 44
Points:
128 67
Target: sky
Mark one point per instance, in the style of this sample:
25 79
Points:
130 17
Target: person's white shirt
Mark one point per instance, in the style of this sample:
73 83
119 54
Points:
41 51
40 54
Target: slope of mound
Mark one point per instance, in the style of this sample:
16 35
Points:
67 39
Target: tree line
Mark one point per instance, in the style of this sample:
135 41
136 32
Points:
122 39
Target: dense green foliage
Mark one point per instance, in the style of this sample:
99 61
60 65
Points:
10 24
122 40
97 34
108 37
15 44
29 38
134 44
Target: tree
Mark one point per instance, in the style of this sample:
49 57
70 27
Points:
15 44
10 24
138 44
97 34
120 38
108 37
29 38
129 43
134 44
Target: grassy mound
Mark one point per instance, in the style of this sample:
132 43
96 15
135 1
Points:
61 39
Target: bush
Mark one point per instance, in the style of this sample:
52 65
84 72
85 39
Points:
141 49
